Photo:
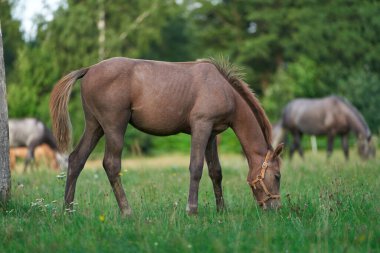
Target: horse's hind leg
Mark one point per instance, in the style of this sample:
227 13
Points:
215 171
78 157
199 138
297 137
114 134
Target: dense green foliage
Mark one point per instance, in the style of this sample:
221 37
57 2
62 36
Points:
12 39
328 206
288 48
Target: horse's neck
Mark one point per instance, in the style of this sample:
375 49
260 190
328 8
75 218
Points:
250 135
356 123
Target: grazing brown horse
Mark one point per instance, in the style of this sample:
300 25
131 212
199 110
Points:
43 154
329 116
200 98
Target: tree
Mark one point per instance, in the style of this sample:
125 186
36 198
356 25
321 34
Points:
263 35
12 39
5 174
297 79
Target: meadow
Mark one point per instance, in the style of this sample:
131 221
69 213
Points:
328 206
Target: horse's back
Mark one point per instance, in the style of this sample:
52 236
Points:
162 97
314 116
23 131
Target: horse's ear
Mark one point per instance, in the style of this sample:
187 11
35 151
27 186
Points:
278 150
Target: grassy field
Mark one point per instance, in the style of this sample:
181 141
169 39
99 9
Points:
328 206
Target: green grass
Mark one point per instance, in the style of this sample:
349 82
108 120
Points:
328 206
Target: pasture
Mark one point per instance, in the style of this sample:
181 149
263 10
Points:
328 206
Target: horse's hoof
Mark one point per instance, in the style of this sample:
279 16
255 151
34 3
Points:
126 213
191 210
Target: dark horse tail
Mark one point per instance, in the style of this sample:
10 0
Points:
59 100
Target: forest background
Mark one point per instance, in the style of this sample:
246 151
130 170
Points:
288 49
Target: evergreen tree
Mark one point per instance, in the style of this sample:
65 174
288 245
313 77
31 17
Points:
12 38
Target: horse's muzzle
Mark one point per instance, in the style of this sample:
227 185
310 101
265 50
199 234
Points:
272 204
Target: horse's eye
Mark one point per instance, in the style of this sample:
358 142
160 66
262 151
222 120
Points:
277 176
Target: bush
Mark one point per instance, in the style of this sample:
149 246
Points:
298 79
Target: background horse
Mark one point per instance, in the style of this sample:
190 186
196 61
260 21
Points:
43 154
279 134
30 133
330 116
200 98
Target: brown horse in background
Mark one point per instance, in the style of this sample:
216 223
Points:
201 98
43 154
331 116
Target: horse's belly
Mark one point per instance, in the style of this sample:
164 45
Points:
160 122
312 127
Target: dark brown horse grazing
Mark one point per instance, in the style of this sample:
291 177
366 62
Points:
329 116
200 98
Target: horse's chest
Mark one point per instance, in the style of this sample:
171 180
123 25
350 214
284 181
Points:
15 140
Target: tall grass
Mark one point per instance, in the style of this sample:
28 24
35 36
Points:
328 206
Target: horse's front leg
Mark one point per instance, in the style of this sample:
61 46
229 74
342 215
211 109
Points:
293 146
300 150
215 171
200 134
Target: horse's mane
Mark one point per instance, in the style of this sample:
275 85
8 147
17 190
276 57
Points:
234 74
356 113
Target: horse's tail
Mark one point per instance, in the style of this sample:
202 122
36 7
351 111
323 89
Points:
59 100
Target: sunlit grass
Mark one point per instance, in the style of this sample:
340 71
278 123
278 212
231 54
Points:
328 206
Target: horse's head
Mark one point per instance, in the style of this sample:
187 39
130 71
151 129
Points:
265 181
366 147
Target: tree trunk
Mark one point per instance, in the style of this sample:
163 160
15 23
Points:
102 31
5 174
